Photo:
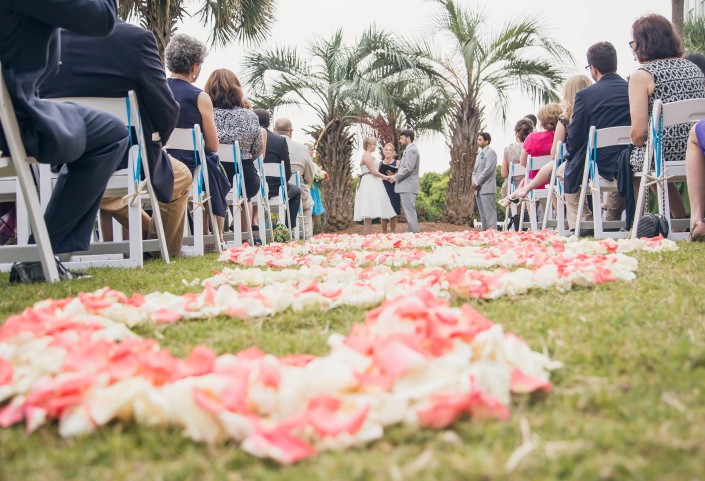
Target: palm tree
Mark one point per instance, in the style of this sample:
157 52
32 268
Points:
229 20
480 68
338 82
678 15
694 34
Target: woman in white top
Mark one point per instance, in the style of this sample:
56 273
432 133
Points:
371 199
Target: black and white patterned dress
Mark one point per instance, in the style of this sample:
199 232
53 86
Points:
675 79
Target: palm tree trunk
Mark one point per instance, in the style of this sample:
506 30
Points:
678 15
335 151
460 198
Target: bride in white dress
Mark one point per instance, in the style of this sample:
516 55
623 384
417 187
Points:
371 199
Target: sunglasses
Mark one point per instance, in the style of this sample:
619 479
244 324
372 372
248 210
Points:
632 44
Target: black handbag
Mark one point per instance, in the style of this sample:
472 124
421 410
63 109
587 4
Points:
652 225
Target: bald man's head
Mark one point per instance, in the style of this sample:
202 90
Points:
283 126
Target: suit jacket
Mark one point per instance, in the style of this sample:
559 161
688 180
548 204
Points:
406 181
127 59
604 104
277 151
485 172
29 51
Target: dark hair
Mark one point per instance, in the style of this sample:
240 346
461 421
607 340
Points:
603 57
408 133
485 136
263 117
183 52
533 119
655 39
225 90
523 128
697 58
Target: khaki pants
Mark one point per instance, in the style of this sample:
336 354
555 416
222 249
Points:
615 204
173 213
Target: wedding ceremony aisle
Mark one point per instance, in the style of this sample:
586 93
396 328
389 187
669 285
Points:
441 355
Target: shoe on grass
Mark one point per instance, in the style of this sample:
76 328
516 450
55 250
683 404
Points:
31 272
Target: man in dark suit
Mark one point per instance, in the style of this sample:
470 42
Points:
277 151
604 104
128 59
88 142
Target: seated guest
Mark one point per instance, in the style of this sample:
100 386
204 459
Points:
602 105
570 89
512 153
236 122
90 144
301 163
663 75
540 143
128 59
277 151
184 57
695 175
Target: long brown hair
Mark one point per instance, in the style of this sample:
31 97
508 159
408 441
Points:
225 90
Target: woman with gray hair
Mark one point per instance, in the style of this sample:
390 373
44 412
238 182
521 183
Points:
184 57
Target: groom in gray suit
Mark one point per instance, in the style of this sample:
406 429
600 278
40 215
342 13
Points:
484 181
407 178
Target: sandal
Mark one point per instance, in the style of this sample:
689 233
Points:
697 232
510 200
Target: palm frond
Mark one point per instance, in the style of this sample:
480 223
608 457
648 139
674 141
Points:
694 34
231 20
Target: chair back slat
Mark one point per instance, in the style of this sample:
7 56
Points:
113 106
611 136
515 170
682 112
181 139
535 163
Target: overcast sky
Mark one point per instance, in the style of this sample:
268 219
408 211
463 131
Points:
576 24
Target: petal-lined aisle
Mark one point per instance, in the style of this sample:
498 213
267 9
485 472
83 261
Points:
414 360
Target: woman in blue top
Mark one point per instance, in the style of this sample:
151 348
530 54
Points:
184 57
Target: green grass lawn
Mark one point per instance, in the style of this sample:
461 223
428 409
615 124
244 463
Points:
628 405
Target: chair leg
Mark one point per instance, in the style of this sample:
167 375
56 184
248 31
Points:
158 223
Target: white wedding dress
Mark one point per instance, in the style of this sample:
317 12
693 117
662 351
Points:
371 199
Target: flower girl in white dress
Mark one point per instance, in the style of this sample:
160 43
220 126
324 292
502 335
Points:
371 199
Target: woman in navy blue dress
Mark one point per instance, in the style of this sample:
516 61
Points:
389 166
184 57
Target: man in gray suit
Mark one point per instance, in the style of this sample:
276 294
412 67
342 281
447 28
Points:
484 181
407 178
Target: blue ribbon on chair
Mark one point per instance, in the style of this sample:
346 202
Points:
658 143
136 168
593 157
238 174
201 200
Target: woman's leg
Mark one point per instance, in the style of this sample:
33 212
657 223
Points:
384 225
367 226
695 173
393 224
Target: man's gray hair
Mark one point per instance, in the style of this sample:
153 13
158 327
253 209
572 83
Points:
183 52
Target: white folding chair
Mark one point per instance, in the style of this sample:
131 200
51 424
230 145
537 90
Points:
555 217
535 195
264 215
515 170
280 201
597 185
237 197
299 231
192 140
126 183
663 116
15 166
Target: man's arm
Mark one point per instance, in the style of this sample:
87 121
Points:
490 167
308 172
579 127
287 161
95 18
156 98
409 161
